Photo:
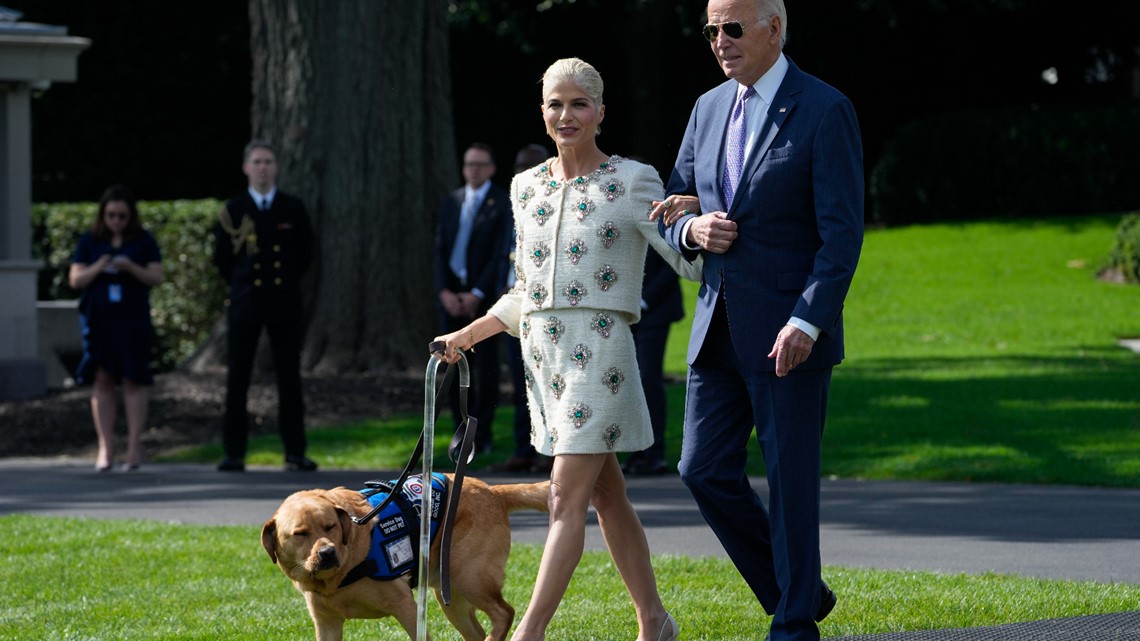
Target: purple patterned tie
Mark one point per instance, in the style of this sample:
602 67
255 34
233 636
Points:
734 146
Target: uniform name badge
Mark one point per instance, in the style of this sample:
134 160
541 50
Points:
115 292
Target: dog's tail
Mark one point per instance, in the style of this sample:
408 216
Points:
524 496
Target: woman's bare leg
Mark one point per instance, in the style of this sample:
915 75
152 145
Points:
135 403
625 538
571 484
103 414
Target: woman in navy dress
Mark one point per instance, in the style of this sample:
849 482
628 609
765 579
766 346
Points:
116 264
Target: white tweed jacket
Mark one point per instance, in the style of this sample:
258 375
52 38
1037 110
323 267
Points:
581 243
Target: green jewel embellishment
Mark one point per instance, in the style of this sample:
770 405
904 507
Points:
542 213
601 323
585 207
538 295
606 277
613 378
524 330
579 414
557 386
609 233
612 189
581 183
581 355
574 292
539 253
554 329
611 436
575 250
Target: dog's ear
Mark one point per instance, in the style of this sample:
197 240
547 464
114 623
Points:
346 523
269 538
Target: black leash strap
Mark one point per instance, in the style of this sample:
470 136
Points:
418 452
461 451
465 439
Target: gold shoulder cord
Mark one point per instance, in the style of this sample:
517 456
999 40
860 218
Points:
241 235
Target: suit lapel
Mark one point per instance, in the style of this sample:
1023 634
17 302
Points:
716 137
782 106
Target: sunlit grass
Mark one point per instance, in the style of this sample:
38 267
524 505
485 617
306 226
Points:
78 579
983 351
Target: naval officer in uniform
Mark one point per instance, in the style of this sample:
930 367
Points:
262 245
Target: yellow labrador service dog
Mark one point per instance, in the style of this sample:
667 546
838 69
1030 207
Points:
314 541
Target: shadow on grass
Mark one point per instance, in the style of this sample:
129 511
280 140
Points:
1067 419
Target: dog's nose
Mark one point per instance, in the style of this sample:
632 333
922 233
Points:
327 556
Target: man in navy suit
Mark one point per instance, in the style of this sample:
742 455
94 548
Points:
471 252
661 306
768 187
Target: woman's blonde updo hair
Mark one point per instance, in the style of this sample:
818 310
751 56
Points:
580 73
574 70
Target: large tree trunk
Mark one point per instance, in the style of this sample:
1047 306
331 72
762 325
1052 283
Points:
355 94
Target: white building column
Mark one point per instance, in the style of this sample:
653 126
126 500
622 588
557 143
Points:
31 55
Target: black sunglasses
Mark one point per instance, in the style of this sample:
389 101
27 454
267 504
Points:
731 29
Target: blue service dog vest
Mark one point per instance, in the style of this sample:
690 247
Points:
394 548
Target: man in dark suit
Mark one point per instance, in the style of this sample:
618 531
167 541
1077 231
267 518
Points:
262 244
768 187
470 265
661 306
524 458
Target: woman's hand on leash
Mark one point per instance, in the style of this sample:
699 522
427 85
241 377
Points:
465 339
452 343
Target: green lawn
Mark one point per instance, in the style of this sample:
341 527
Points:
982 351
79 580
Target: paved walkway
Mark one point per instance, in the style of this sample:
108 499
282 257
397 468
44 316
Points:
1047 532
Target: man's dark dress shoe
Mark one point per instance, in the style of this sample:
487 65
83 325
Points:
299 464
827 601
231 465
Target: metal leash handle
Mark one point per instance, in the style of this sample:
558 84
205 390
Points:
436 348
419 449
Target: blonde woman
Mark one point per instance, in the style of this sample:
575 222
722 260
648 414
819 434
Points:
583 230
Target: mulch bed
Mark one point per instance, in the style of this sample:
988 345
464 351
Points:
186 409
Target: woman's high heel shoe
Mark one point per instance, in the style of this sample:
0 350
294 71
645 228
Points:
674 629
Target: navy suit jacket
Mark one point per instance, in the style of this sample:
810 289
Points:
486 250
799 211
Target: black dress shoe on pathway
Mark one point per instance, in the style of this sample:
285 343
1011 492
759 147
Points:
300 464
231 465
827 601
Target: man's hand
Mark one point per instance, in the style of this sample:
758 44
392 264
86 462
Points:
470 303
451 303
792 347
712 232
674 207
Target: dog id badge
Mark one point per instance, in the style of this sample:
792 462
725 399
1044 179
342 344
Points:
115 292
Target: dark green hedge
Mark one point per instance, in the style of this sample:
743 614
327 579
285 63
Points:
1009 162
1125 256
189 301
